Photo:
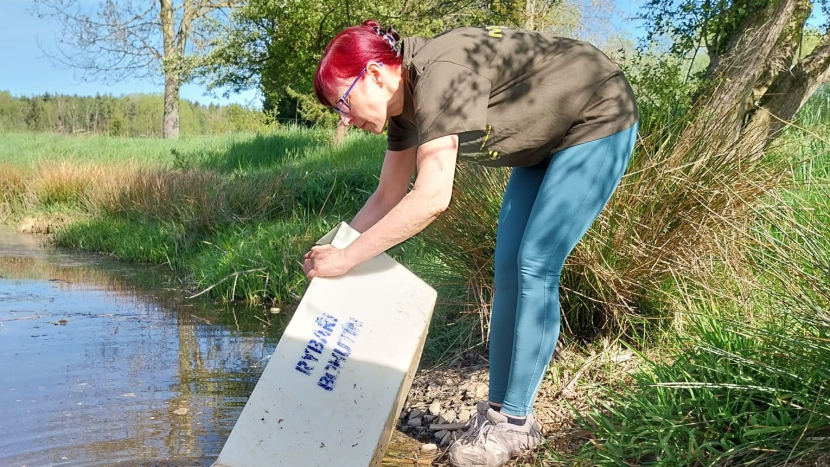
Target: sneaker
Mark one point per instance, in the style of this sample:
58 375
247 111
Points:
476 424
497 442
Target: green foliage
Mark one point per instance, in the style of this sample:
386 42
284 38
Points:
126 239
695 23
311 110
252 51
664 91
704 28
133 115
737 394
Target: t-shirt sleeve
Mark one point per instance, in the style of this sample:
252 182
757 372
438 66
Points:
400 135
450 99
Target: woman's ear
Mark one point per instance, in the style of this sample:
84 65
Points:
375 72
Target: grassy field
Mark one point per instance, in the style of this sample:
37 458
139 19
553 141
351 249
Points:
718 280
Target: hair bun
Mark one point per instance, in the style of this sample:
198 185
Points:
389 35
371 24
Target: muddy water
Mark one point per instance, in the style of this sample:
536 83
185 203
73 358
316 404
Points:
106 363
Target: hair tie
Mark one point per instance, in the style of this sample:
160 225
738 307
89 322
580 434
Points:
389 37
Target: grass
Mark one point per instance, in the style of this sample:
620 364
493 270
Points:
743 380
716 277
233 214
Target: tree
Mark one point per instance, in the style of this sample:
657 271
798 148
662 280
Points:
123 38
276 46
757 78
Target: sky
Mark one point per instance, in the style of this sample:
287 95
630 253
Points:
25 70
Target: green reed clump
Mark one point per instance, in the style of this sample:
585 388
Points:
748 381
12 189
463 240
734 393
253 261
196 198
126 239
675 206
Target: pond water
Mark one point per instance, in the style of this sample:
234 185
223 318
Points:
108 363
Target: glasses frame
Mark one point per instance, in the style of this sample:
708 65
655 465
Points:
337 107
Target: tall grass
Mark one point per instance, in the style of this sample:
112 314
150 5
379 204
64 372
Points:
674 209
12 189
198 198
232 213
464 238
747 383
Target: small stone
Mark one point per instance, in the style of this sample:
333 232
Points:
435 408
464 415
481 391
180 411
448 415
416 413
275 310
414 422
429 418
429 447
439 435
447 439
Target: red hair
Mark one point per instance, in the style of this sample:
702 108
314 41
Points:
349 52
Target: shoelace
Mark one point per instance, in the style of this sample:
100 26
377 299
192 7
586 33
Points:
476 423
483 435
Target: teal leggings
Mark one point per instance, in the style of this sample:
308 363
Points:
547 208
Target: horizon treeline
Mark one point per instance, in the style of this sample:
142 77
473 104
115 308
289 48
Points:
133 115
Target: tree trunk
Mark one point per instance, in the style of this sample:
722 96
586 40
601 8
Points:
171 106
789 92
170 62
738 76
754 62
340 134
530 15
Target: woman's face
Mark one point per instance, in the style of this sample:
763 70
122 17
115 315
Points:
367 101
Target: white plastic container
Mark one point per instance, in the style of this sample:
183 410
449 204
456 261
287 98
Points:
331 393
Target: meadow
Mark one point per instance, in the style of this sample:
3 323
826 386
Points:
712 270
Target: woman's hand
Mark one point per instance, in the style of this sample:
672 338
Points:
326 261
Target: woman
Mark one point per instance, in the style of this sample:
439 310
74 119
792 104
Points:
557 110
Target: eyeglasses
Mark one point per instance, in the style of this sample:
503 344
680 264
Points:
343 107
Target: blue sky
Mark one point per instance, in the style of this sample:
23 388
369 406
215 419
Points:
25 70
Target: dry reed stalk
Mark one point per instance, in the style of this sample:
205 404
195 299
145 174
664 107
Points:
195 197
62 182
679 206
12 188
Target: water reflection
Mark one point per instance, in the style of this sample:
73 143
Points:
106 364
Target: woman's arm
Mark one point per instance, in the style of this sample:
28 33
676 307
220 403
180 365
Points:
429 197
395 175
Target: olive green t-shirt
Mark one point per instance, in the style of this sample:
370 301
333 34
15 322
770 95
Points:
513 97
